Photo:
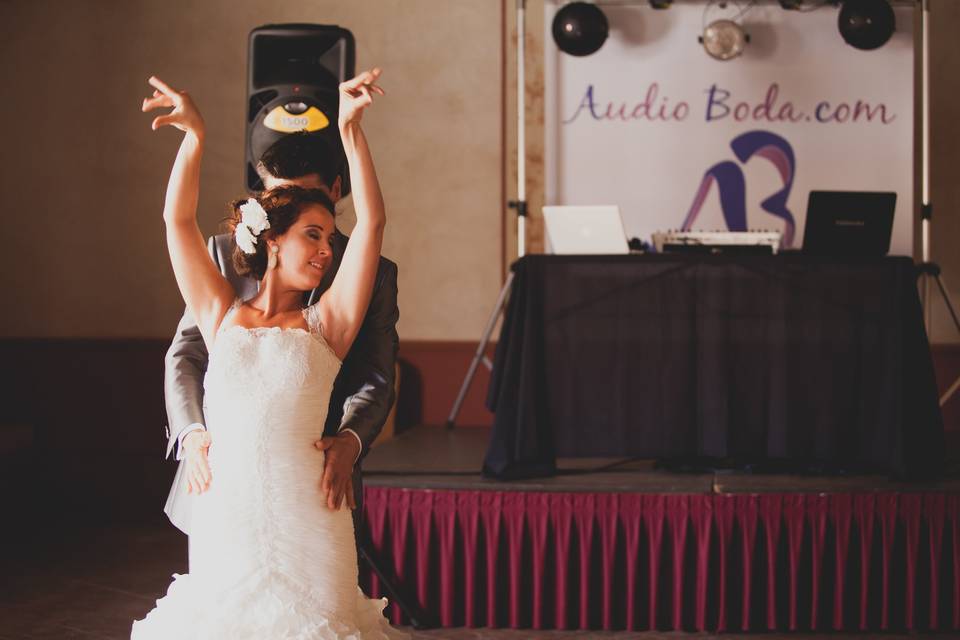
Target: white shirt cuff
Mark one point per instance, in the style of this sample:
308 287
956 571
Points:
359 442
190 428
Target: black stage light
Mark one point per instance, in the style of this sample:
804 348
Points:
580 28
867 24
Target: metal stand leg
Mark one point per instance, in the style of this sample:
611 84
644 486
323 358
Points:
418 618
480 355
928 271
956 323
946 300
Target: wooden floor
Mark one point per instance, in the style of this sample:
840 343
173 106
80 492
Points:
92 582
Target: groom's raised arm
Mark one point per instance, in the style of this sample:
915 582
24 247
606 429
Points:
366 384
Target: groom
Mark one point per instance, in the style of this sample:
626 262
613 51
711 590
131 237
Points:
364 389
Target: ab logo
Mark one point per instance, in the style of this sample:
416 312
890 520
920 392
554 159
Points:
732 187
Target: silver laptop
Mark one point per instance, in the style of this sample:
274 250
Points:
595 229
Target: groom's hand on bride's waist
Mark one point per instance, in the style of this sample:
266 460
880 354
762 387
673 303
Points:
342 451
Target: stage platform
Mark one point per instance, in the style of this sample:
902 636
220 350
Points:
619 544
428 457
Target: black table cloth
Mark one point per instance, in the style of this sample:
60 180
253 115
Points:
808 361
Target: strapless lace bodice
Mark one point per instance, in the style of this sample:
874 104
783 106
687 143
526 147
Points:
272 364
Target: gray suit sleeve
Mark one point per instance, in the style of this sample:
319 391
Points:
364 391
184 367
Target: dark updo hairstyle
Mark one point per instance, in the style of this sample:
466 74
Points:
283 206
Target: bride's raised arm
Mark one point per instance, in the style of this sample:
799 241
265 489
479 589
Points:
345 303
206 292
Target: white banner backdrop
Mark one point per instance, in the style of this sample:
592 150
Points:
653 124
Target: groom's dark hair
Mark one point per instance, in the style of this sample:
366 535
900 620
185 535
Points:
301 154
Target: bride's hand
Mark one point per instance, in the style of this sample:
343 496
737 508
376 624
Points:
197 446
356 95
185 115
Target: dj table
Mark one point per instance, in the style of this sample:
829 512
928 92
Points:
786 361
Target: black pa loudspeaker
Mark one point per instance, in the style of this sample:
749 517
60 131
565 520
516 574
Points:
293 77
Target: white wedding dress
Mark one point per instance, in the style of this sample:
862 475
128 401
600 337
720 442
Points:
268 559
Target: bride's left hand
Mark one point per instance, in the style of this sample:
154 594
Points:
197 446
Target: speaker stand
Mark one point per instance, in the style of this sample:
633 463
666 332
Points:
520 204
480 354
927 273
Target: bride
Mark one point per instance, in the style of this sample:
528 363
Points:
268 558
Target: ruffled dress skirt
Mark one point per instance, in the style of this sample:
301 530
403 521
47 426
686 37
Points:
268 559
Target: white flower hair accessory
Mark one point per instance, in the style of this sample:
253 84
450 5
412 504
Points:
253 221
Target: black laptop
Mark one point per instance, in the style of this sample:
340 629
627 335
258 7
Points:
849 223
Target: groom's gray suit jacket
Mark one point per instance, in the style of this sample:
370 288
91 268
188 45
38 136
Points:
362 394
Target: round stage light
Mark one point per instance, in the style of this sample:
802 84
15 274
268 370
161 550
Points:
867 24
724 39
580 28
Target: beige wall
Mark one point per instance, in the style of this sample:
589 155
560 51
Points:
84 177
